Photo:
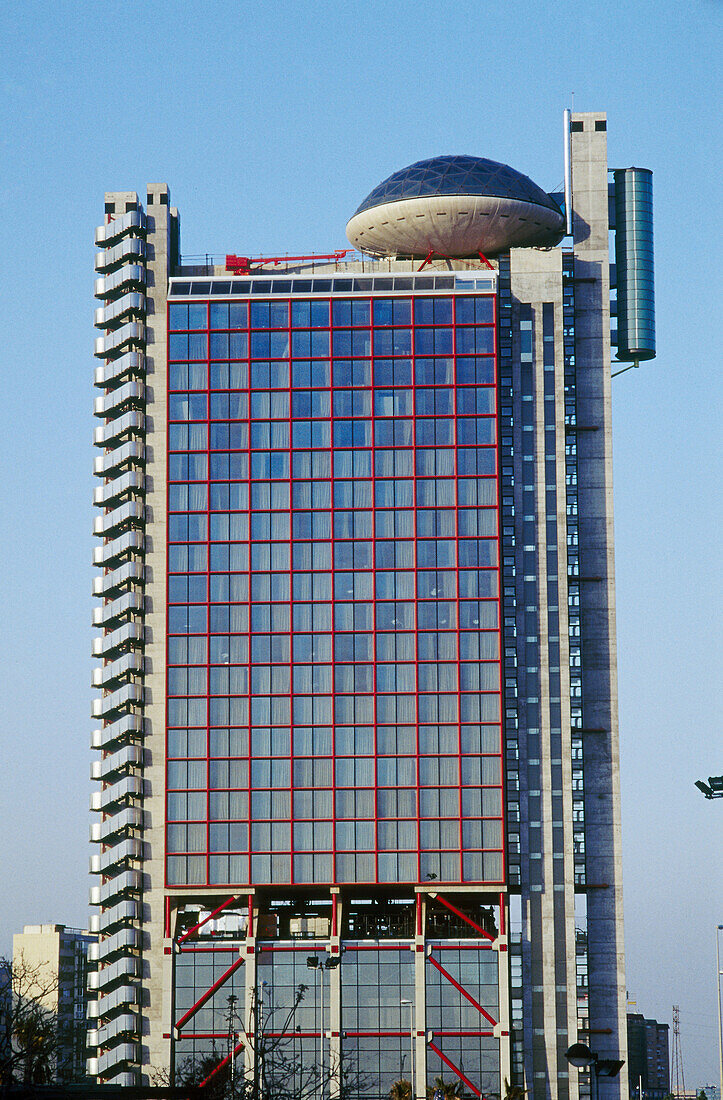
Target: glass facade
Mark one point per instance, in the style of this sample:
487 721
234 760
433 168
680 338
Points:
333 591
374 985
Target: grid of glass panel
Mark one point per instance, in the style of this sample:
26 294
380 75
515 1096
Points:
475 970
373 983
377 985
333 620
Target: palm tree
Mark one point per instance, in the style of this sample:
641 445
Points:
449 1090
513 1092
401 1090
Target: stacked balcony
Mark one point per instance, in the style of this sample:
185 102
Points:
118 617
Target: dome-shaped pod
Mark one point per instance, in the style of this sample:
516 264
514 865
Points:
455 206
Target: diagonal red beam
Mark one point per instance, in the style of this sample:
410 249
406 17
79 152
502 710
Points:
426 260
485 260
208 994
462 990
221 1064
453 909
234 897
454 1069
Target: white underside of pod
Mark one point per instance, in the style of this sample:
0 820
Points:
453 225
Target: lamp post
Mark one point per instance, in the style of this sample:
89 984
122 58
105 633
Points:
314 962
260 1049
581 1057
718 973
410 1005
713 788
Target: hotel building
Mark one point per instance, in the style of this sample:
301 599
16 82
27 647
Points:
357 724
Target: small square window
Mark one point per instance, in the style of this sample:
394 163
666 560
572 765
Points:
110 208
130 206
601 124
149 199
577 127
163 199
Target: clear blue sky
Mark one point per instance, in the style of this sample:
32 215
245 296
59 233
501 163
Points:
270 122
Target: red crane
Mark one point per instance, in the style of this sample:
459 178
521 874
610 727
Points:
242 265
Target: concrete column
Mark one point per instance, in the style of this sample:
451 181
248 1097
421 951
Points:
502 1030
420 999
249 1016
601 761
157 969
334 984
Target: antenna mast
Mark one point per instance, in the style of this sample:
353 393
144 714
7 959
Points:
568 172
677 1073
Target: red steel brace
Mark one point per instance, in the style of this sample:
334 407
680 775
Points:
210 916
462 990
454 1069
209 993
221 1064
459 913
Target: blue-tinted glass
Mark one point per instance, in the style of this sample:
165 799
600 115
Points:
319 343
300 314
219 345
341 313
458 175
178 376
197 316
383 312
260 315
219 317
177 347
238 314
238 345
319 314
177 316
260 345
197 345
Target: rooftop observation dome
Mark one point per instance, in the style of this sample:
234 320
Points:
455 206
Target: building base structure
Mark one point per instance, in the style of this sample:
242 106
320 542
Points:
359 807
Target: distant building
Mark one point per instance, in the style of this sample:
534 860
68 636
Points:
648 1059
58 956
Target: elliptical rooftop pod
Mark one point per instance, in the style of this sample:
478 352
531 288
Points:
634 263
456 207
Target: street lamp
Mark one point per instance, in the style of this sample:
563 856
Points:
410 1005
581 1057
718 973
713 788
314 962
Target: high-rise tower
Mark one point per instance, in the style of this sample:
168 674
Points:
357 639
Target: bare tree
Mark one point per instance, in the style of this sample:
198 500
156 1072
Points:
31 1048
281 1072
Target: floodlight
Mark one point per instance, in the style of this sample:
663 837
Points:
608 1067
